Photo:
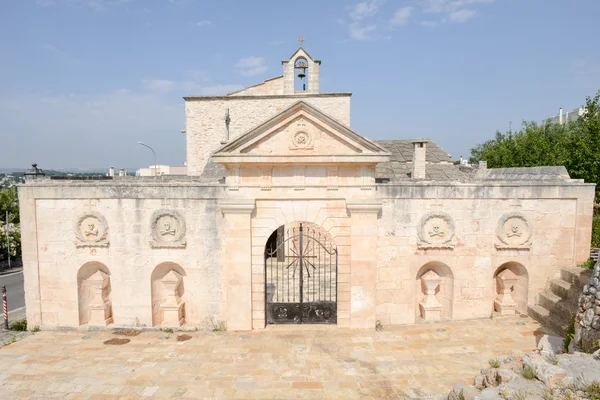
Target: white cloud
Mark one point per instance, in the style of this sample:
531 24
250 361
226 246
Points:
401 16
428 24
461 16
446 6
360 25
251 66
364 9
361 32
159 85
219 90
204 22
454 10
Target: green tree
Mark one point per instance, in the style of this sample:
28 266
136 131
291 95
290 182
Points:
9 201
576 145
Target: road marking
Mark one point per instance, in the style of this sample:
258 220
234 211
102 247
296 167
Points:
11 274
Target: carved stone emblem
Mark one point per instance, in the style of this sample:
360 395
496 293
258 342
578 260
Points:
513 232
168 229
302 137
436 231
91 230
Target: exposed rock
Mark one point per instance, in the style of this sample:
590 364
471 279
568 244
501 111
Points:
506 375
550 344
468 392
548 373
487 377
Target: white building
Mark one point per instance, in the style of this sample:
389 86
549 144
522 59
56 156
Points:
154 170
564 117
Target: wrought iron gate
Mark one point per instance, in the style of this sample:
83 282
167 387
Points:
300 278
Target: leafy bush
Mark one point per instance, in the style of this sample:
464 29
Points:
529 372
569 334
589 264
19 325
596 229
494 363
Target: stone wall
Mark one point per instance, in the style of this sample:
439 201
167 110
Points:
205 119
128 253
555 233
117 248
587 321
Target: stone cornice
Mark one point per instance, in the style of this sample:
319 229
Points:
242 206
273 96
364 206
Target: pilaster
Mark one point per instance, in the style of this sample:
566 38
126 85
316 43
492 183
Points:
363 262
237 262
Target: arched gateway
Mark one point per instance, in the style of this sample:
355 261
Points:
300 276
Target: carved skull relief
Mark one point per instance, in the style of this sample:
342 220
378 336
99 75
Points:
513 232
168 229
436 231
302 136
91 230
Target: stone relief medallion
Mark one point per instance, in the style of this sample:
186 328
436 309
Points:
168 229
302 137
436 231
513 232
91 230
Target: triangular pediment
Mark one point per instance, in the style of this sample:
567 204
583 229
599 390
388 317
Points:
301 133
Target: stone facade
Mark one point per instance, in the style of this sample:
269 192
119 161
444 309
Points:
192 251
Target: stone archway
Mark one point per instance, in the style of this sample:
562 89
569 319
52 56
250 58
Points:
435 292
168 304
511 283
300 275
93 295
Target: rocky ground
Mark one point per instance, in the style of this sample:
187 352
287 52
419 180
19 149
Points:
543 374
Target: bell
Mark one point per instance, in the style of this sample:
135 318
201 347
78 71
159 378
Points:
302 73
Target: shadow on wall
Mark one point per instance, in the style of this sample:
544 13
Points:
93 290
511 281
168 304
434 288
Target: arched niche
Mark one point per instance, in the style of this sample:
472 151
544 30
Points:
442 292
511 283
301 74
93 295
167 292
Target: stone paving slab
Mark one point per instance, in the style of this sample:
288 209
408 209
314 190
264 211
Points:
292 363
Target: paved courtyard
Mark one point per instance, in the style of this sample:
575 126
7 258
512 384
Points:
296 362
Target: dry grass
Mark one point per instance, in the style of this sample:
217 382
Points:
183 338
127 332
117 341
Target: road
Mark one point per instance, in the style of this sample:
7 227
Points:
15 293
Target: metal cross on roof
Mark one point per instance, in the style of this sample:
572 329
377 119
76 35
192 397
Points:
301 39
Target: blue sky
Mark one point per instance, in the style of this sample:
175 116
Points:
81 81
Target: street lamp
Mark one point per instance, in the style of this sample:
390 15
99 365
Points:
144 144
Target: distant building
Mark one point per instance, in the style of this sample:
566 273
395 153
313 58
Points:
154 170
562 118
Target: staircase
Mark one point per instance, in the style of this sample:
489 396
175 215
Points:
556 305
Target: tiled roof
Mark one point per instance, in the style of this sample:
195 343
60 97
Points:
439 163
402 151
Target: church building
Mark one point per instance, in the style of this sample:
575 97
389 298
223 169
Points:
289 216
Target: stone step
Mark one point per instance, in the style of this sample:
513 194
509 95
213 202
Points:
558 308
576 276
560 288
544 317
